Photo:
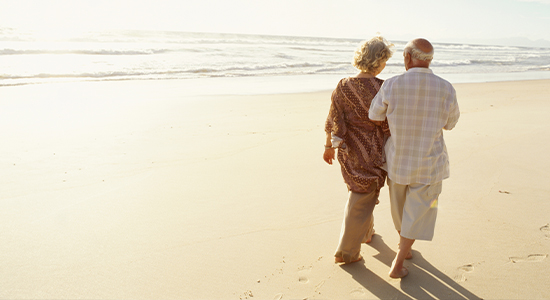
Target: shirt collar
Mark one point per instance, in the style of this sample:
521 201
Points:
420 70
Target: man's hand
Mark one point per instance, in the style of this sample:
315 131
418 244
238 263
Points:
328 156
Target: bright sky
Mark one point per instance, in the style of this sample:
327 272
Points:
437 20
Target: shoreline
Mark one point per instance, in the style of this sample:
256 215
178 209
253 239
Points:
260 85
140 190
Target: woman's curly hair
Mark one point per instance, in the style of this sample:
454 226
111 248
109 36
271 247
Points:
370 54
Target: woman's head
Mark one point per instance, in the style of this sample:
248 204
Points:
372 54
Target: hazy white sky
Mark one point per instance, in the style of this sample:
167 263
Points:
438 20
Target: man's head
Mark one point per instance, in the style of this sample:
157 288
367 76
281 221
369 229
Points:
418 53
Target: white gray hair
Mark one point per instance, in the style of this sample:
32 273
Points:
417 53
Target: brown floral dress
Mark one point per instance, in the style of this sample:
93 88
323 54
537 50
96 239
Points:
361 154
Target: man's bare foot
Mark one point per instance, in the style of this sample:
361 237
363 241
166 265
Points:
399 273
341 260
398 270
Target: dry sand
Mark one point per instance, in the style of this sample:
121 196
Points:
132 190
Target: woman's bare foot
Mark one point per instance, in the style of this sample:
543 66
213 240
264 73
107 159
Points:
341 260
369 239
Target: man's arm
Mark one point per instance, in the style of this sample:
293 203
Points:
454 113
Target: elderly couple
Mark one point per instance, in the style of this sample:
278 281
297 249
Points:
392 128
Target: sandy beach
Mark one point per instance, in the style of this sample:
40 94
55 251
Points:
136 190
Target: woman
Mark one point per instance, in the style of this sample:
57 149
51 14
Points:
360 144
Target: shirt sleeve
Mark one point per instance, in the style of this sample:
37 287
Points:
379 106
454 113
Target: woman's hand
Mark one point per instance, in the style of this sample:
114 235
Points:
328 156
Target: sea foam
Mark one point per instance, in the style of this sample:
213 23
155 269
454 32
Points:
147 55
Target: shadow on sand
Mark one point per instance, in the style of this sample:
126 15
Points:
424 280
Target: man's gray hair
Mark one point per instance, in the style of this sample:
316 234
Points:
417 53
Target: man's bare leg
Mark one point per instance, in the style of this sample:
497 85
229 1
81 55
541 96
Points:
409 255
397 270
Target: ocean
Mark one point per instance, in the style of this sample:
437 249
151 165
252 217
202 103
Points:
235 63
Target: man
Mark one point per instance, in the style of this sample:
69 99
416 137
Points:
418 106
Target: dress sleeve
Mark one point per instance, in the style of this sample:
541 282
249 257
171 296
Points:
335 123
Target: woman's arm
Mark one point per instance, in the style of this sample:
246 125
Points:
328 156
334 124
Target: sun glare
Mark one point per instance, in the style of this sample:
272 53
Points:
54 34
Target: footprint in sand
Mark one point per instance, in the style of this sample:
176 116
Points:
303 275
546 230
529 258
462 271
360 292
